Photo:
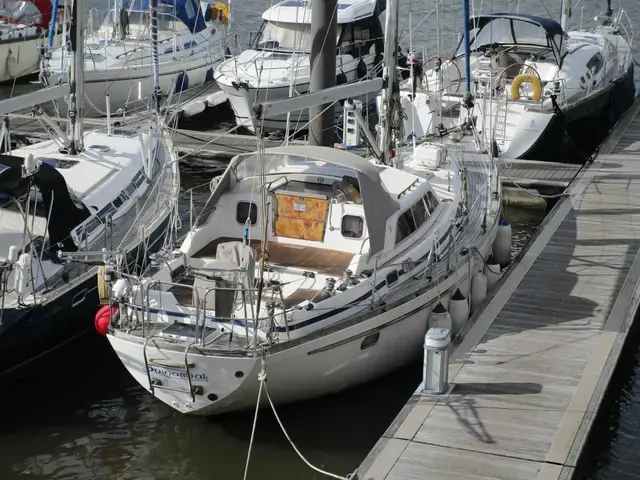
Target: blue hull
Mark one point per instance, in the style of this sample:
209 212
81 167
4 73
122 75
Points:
31 332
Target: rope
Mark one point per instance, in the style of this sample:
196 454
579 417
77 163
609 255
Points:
313 467
262 377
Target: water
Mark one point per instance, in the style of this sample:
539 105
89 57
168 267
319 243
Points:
613 446
79 415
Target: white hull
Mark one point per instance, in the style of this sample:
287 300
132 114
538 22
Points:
134 88
242 101
317 367
124 69
515 133
21 57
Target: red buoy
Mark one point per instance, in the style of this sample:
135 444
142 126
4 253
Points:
103 318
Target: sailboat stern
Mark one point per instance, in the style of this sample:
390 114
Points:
189 381
520 138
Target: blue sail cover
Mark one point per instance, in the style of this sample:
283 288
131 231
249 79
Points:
187 11
550 26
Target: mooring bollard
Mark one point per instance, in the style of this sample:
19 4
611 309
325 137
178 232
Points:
435 380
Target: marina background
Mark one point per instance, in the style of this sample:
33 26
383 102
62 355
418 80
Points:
78 415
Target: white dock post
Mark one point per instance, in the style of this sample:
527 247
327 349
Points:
435 380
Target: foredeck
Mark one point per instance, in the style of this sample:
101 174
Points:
532 369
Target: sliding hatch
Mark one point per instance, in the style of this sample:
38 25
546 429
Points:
300 210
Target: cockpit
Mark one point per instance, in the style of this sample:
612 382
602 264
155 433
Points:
514 39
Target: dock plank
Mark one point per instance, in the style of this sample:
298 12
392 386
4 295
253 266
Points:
532 370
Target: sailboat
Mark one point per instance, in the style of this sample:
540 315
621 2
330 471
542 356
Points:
23 32
118 57
310 266
70 197
535 82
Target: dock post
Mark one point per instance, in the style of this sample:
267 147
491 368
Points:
435 380
324 20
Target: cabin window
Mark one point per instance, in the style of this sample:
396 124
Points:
346 40
415 217
92 225
420 213
246 210
406 226
432 201
294 37
595 63
130 189
352 226
356 39
362 31
137 180
362 36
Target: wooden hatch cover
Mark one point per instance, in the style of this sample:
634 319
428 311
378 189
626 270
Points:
300 216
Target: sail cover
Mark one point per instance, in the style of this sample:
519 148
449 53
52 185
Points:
65 213
187 11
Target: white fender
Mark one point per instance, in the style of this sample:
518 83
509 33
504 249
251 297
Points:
459 310
478 290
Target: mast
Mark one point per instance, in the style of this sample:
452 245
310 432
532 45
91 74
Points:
76 104
390 76
467 53
323 68
154 59
566 14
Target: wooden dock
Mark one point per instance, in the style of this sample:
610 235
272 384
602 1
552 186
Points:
533 173
533 366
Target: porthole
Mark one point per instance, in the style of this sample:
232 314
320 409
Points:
370 340
352 226
246 210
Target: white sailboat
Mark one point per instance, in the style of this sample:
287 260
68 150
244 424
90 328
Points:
71 196
309 265
532 77
118 57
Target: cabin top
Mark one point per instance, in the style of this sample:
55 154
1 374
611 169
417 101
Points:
299 11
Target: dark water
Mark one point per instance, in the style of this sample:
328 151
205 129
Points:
612 450
78 415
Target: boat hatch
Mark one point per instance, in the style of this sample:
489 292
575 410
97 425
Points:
300 211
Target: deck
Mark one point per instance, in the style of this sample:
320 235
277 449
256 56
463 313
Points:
533 366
